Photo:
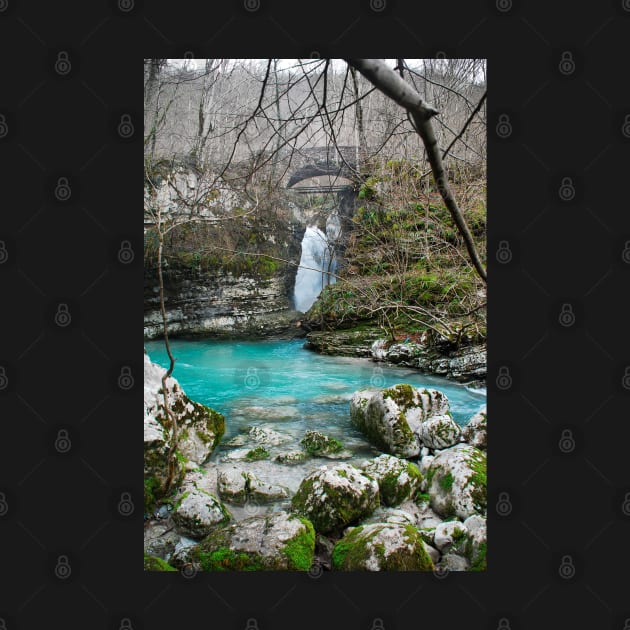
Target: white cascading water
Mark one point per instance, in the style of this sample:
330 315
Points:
317 259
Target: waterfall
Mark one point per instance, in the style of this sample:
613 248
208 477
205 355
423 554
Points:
317 258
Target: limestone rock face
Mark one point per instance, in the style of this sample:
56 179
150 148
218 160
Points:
332 498
199 430
456 482
382 547
276 541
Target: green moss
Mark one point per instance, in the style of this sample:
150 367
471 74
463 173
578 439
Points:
152 486
446 482
478 479
301 548
256 454
478 563
151 563
422 497
353 550
402 395
315 443
224 559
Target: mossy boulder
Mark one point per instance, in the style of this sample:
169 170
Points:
318 444
439 432
450 536
151 563
334 497
276 541
291 458
397 478
196 511
476 432
476 542
199 430
381 547
390 418
237 485
456 482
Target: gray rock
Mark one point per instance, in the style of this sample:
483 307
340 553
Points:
160 539
197 510
475 432
450 535
335 497
453 562
457 482
275 541
391 417
239 486
397 478
439 432
382 547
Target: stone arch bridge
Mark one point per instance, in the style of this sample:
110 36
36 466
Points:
333 170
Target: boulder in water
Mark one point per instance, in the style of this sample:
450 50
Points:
316 443
238 486
391 417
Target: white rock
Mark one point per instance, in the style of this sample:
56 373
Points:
439 432
448 534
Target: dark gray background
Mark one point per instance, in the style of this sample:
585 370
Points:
559 487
